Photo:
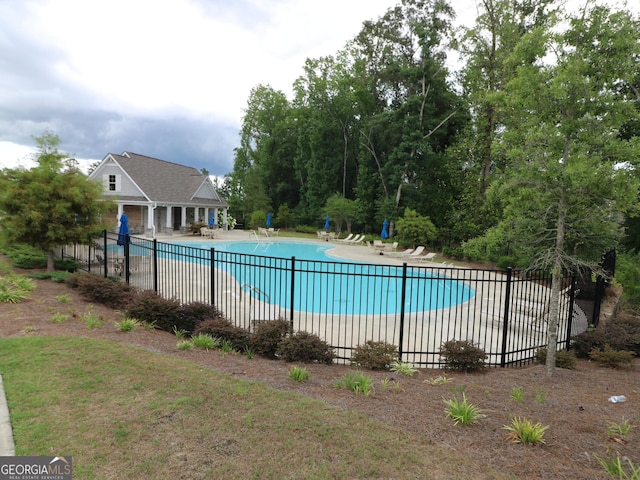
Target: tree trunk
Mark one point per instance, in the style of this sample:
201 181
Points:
50 261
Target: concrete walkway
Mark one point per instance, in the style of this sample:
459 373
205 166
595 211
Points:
7 447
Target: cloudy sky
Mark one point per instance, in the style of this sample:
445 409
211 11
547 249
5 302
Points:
168 79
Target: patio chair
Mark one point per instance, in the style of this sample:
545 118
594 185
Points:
378 246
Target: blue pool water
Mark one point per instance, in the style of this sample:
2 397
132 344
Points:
330 285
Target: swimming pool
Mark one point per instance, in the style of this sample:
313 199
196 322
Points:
324 284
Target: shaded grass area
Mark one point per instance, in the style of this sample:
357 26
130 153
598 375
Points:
123 412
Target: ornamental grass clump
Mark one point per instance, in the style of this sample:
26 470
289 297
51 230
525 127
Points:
403 369
357 382
462 411
205 341
523 430
299 374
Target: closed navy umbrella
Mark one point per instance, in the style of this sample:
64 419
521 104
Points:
123 232
385 233
212 221
326 223
268 219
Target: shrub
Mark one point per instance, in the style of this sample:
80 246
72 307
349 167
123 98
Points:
65 265
151 308
237 337
610 357
268 336
305 347
564 359
462 355
583 343
375 355
106 291
192 314
621 333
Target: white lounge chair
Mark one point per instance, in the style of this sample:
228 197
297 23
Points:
357 240
404 253
428 257
347 239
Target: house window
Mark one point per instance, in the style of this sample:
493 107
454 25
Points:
111 183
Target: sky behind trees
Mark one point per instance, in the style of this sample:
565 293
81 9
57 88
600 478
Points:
168 80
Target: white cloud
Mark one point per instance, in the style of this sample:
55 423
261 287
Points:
167 79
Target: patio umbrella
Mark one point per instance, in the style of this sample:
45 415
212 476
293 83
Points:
384 233
212 221
326 223
123 232
268 219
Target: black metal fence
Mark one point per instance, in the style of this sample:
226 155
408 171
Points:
415 307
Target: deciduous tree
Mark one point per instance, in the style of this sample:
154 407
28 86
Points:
52 204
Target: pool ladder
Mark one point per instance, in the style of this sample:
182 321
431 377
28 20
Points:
258 312
253 288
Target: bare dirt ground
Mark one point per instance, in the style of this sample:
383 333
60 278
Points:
573 403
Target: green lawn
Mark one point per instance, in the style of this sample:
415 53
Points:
123 412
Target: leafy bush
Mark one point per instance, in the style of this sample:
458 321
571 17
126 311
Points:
621 333
375 355
414 229
462 355
107 291
268 336
151 308
221 328
306 229
65 265
564 359
195 312
628 274
612 358
305 347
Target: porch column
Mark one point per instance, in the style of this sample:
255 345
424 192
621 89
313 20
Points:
225 221
169 222
183 217
151 230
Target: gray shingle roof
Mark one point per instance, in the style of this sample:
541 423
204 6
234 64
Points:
165 181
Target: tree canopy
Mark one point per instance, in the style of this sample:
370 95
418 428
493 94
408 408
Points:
51 204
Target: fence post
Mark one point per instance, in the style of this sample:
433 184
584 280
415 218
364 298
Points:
293 291
571 307
505 320
403 296
126 258
213 276
105 259
155 265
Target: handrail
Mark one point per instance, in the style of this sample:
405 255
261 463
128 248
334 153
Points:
255 289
